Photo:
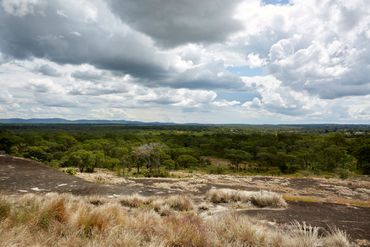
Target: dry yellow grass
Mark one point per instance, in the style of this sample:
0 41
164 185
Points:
258 198
65 220
164 205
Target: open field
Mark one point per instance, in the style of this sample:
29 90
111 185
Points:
309 200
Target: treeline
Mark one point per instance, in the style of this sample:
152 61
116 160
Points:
153 152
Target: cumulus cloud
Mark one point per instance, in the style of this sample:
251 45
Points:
48 70
211 75
172 23
20 7
321 47
274 97
104 40
194 61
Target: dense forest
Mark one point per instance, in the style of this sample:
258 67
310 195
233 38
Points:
156 150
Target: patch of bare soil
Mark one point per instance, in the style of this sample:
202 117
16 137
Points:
19 176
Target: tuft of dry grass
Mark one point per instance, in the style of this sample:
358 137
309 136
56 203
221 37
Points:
135 201
305 234
258 198
179 203
186 230
204 206
336 238
163 205
4 208
66 220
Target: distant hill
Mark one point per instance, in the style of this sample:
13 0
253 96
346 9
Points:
79 121
308 127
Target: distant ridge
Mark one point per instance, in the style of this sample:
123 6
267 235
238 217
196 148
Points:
79 121
61 121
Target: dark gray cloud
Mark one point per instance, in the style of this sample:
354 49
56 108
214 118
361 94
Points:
173 22
88 75
206 76
47 70
68 33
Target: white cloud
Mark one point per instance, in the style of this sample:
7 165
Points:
225 103
254 61
78 59
321 47
275 97
20 7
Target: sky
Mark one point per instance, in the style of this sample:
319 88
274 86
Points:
204 61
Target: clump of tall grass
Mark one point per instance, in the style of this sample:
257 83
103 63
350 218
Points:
163 205
135 201
258 198
66 220
336 238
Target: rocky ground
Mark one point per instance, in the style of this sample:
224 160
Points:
316 201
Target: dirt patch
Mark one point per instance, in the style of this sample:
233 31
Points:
302 183
19 176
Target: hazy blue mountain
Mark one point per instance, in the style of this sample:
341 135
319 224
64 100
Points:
79 121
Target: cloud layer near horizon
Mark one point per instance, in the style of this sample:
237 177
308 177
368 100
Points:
186 61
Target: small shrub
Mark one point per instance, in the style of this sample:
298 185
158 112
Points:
216 169
157 173
169 164
71 171
343 173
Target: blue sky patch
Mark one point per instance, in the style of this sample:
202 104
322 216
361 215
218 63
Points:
246 71
238 96
275 2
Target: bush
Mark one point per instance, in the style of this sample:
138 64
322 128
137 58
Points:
157 173
186 161
70 171
169 164
273 171
343 173
54 164
38 153
216 169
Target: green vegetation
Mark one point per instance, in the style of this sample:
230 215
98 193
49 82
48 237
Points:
154 151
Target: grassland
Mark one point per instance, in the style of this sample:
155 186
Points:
66 220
